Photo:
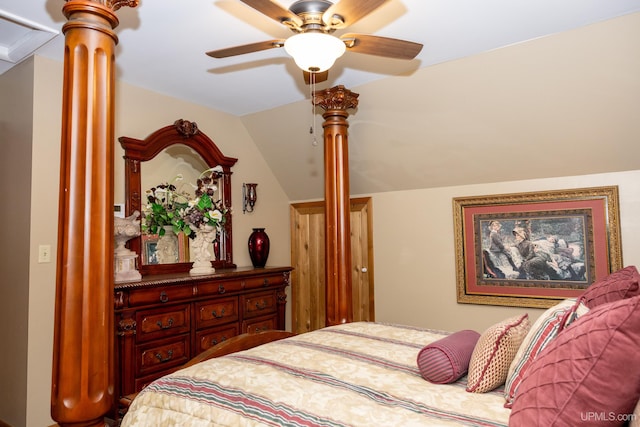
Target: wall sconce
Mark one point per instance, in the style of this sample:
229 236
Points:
249 197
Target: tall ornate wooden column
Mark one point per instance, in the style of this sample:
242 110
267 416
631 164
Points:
335 102
83 356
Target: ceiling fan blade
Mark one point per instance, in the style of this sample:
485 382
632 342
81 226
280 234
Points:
349 12
247 48
317 77
381 46
275 11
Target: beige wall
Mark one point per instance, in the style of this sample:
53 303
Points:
15 182
414 249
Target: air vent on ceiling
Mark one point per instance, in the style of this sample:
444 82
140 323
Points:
19 38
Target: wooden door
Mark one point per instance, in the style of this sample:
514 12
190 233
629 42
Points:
308 260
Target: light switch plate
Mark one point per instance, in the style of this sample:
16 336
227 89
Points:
44 253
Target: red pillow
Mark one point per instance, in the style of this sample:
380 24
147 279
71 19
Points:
589 371
447 360
616 286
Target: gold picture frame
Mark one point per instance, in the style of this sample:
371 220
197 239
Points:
534 249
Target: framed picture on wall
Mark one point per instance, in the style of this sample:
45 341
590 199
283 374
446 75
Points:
533 249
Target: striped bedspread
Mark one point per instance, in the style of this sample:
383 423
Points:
357 374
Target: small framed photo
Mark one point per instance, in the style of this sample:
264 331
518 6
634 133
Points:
118 210
150 249
183 248
533 249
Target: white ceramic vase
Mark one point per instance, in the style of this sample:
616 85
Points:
200 245
125 229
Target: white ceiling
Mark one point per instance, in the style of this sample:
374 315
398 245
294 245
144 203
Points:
163 43
556 81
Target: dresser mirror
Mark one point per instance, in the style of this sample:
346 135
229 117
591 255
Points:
176 150
178 166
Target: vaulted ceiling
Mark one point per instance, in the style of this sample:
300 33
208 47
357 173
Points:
545 83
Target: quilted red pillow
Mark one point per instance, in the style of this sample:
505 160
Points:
589 371
616 286
447 360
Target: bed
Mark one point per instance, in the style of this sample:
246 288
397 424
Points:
575 365
354 374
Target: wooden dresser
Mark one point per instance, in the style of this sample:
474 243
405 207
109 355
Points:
163 321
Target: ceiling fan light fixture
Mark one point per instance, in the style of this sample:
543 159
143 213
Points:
314 52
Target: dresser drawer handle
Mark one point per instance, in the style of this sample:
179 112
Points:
167 326
221 289
261 305
216 342
266 282
163 359
164 297
216 315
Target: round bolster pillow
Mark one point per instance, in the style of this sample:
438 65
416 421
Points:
447 360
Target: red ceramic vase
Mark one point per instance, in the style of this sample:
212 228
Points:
259 247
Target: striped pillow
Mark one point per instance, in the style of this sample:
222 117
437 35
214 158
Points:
447 360
546 328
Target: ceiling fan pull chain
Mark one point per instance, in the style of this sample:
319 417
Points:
312 129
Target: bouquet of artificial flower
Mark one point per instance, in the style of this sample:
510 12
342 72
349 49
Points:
163 208
204 210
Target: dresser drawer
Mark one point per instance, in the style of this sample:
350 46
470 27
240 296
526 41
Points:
161 355
210 337
164 295
261 324
163 322
220 287
264 281
216 312
259 304
229 286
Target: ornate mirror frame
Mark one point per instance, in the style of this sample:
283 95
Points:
135 151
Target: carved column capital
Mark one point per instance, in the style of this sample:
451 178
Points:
117 4
335 98
113 4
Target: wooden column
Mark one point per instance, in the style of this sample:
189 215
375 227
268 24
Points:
335 102
83 355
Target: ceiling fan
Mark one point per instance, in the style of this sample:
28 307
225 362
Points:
313 47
